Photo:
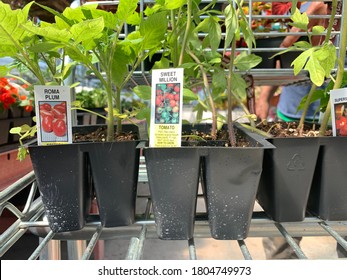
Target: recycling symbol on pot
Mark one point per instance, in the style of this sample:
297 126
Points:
296 163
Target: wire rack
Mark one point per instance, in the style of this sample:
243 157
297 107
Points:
82 243
30 217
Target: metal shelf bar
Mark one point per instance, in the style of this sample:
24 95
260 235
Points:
291 241
42 246
192 249
91 245
244 250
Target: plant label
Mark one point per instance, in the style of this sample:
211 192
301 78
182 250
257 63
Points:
53 115
338 99
166 107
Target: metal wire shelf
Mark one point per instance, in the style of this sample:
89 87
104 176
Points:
31 219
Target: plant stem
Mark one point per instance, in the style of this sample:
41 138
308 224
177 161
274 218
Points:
305 109
186 33
340 68
230 95
209 95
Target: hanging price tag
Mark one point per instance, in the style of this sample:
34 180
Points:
166 108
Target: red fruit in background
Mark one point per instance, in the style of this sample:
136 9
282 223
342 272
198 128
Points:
176 97
47 123
59 128
172 103
177 89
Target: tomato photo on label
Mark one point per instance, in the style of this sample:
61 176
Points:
59 128
58 114
47 123
45 106
60 107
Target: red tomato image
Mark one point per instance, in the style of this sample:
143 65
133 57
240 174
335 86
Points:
60 107
59 128
58 114
46 107
172 103
47 123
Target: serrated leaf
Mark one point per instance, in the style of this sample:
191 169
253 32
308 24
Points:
317 30
317 72
125 9
50 32
153 30
300 20
143 92
246 61
301 60
88 29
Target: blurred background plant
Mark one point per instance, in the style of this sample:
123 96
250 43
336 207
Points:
13 94
264 24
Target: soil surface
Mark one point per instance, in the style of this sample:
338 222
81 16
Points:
100 136
290 129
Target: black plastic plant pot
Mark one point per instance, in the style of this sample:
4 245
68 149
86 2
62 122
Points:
173 177
287 177
328 197
230 180
62 176
114 168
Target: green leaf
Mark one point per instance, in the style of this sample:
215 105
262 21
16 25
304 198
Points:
189 95
301 60
119 66
88 29
172 5
22 153
327 58
11 30
300 20
143 92
16 130
214 32
144 114
55 13
4 70
246 61
50 32
231 24
125 9
317 30
238 85
302 44
45 47
153 30
317 72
